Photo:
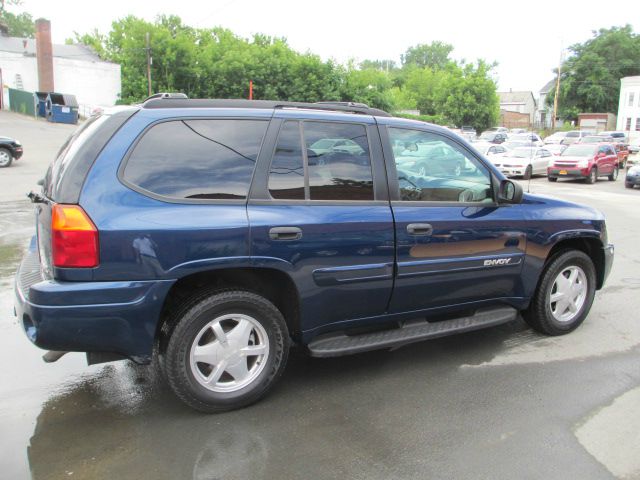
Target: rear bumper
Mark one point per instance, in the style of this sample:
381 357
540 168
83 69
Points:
109 317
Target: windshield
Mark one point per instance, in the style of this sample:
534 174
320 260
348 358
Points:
573 134
579 151
523 152
592 139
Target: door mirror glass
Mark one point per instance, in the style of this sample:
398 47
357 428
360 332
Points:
510 192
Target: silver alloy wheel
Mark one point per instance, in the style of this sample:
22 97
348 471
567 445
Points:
568 293
229 353
5 158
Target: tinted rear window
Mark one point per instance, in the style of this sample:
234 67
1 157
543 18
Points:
197 159
338 163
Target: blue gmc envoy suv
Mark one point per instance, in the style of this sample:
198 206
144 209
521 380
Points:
213 234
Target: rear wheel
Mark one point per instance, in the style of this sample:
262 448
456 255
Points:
5 158
614 175
593 176
564 294
552 179
227 350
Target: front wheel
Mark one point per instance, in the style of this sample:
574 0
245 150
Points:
527 173
613 176
5 158
628 185
227 350
593 176
564 294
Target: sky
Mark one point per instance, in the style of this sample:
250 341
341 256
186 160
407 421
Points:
525 38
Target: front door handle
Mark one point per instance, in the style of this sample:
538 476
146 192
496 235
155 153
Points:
285 233
423 229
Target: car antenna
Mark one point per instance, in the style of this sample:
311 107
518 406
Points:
531 156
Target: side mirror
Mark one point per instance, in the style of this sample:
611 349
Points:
509 192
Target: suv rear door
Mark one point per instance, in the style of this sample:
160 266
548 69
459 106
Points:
454 244
323 216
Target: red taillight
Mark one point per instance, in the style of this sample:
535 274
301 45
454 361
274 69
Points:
74 238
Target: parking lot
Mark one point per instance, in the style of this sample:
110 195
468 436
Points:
499 403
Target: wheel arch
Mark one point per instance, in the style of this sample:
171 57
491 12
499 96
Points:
590 245
273 284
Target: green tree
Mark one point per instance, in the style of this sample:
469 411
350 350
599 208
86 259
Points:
368 86
15 25
434 55
590 79
460 94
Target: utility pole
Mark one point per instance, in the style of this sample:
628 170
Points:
148 65
555 98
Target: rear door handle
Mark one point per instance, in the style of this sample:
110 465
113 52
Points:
423 229
285 233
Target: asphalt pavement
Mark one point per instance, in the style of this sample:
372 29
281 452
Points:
499 403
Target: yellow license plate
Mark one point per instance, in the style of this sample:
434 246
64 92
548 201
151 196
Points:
562 172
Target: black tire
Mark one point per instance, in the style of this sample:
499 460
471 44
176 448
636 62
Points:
527 173
192 317
592 177
628 185
539 315
614 175
552 179
6 158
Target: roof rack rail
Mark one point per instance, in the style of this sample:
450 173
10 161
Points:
347 107
167 95
345 104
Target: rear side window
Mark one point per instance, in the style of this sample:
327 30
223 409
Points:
338 163
197 159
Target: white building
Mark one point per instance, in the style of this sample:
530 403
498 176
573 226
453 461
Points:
77 70
544 113
521 102
629 107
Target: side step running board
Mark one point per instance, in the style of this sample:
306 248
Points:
335 345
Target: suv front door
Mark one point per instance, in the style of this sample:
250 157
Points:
454 244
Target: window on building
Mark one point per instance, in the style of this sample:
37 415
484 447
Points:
197 159
638 124
628 124
631 98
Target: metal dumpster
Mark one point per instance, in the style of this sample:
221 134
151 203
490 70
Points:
40 99
61 108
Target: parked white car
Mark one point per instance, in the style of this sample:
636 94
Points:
523 162
555 138
574 136
532 138
490 149
555 148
